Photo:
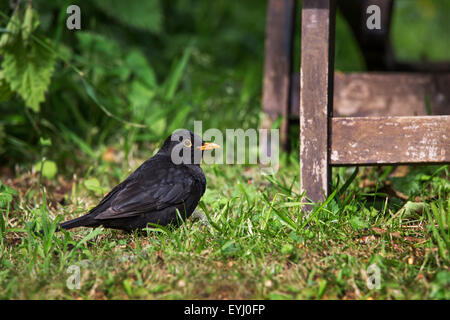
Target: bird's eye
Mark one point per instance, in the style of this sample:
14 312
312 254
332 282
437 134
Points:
187 143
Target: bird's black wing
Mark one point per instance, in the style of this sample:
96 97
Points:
149 191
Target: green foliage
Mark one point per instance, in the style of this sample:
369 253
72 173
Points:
11 31
348 57
140 67
357 223
441 285
27 66
5 89
6 198
146 15
6 195
93 184
413 183
48 168
30 23
420 30
28 72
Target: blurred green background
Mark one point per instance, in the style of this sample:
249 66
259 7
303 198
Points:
137 70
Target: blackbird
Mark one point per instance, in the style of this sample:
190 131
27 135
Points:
165 188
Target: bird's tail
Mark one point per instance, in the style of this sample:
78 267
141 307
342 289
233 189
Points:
83 221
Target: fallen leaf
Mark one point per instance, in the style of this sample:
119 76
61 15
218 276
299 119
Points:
110 155
395 234
379 230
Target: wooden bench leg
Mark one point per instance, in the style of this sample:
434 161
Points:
316 100
277 64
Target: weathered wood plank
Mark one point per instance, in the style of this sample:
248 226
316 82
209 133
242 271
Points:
395 94
386 94
316 74
390 140
278 63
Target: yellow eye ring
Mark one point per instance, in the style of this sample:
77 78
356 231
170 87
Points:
187 143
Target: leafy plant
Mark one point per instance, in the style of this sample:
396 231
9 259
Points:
146 15
27 64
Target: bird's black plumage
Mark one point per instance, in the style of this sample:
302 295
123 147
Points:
156 190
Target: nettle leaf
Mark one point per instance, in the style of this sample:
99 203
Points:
27 65
28 71
30 23
12 29
146 15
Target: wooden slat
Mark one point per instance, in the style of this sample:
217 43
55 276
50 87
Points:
278 63
316 74
394 94
386 94
390 140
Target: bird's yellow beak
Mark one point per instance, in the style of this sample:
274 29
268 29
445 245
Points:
209 146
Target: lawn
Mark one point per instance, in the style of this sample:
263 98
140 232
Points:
249 239
106 98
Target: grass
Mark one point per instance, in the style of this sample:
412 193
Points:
250 239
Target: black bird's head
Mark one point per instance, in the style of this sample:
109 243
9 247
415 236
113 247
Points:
185 147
